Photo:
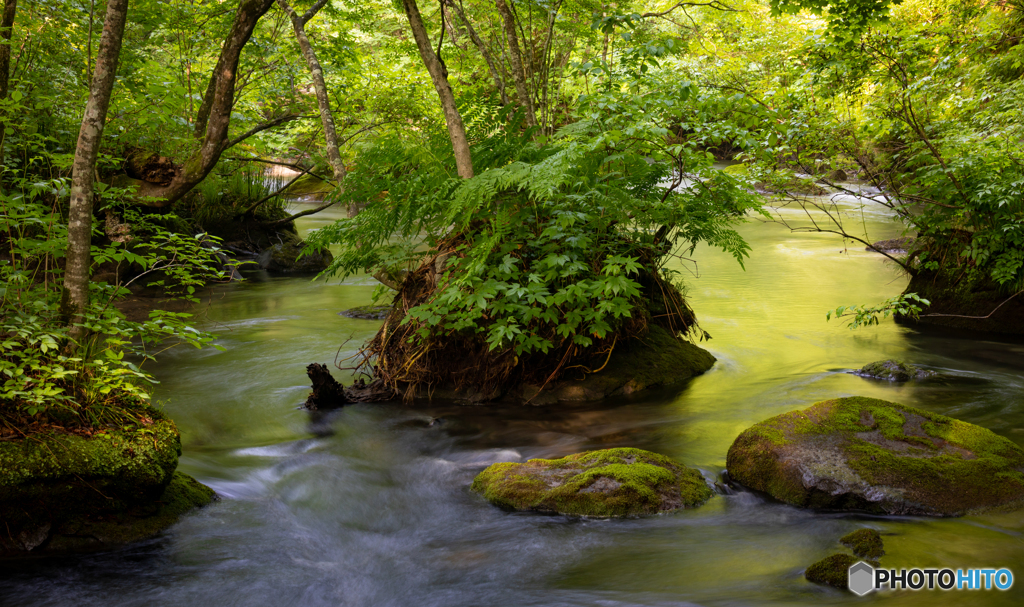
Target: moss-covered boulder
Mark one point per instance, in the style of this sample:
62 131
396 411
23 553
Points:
607 483
286 257
865 543
832 571
872 455
894 370
92 491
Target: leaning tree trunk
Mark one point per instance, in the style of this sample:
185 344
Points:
516 59
75 297
215 111
6 29
439 74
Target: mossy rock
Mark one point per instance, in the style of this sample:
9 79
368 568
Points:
92 531
58 472
832 571
608 483
872 455
367 312
286 257
894 370
865 543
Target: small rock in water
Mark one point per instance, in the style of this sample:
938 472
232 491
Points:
607 483
832 571
865 543
892 245
367 312
894 370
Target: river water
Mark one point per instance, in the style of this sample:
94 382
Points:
371 506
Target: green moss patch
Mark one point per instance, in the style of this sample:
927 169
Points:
832 571
865 543
893 370
867 454
58 471
607 483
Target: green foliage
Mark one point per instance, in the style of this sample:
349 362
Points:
551 243
906 305
48 377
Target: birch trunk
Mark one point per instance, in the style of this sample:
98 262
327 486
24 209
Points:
75 297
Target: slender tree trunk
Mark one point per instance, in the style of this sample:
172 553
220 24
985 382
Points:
79 258
439 74
319 85
6 29
516 59
498 82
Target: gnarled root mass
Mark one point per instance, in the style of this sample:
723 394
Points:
403 364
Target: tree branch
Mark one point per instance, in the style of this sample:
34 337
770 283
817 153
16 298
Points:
715 4
262 127
281 222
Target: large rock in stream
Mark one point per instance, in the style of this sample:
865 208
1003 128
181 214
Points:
608 483
287 257
63 493
872 455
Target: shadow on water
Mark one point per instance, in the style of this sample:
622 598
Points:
370 505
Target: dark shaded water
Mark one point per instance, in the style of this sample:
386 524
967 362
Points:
371 506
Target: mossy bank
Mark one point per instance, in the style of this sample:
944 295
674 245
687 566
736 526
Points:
871 455
67 493
608 483
657 360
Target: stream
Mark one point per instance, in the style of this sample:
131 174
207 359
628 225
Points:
371 505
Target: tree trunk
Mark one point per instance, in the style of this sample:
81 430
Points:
75 297
516 59
319 85
491 67
215 112
6 29
439 74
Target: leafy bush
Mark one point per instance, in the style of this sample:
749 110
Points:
48 378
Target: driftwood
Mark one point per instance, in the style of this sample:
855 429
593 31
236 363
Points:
327 392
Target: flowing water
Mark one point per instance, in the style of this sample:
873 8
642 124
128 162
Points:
371 506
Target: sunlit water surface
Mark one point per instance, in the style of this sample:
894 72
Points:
371 506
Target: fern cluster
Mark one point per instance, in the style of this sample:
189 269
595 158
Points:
555 244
